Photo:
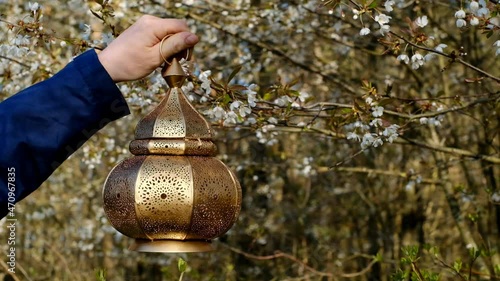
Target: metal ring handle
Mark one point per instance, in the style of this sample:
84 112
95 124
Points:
188 54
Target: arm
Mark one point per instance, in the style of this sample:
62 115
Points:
44 124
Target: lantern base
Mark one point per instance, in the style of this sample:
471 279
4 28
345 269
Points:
171 246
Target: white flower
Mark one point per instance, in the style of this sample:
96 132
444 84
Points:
417 60
429 56
497 44
230 118
474 6
497 52
244 111
356 14
377 142
368 139
434 121
303 96
440 47
369 101
474 21
234 105
272 120
384 28
376 122
33 7
283 101
87 29
382 19
364 31
377 111
404 58
388 5
353 136
422 21
461 23
483 12
22 40
460 14
217 113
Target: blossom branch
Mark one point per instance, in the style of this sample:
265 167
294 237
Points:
275 51
452 56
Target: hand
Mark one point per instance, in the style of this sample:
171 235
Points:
136 52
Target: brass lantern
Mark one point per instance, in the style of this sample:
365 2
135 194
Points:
173 195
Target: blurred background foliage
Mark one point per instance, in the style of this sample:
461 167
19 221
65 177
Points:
354 165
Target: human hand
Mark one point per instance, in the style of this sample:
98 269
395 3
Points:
136 52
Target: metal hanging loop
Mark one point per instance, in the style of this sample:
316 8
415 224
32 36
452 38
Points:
178 56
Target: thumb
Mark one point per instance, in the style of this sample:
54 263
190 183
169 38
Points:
177 43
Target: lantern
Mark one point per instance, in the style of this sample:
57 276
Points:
173 195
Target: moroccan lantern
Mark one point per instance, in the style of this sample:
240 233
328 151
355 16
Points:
173 195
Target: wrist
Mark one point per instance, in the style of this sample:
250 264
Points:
108 65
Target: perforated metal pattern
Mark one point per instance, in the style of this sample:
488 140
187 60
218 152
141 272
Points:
217 198
196 126
164 197
119 197
170 122
144 129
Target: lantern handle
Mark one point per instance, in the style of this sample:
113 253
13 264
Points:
166 60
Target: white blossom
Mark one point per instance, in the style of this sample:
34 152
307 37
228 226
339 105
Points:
22 40
234 105
230 118
422 21
364 31
244 111
272 120
417 60
33 6
474 6
353 136
384 28
388 5
461 23
377 111
474 21
460 14
403 58
382 19
376 122
440 47
356 14
369 101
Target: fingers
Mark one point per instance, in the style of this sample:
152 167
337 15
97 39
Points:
162 27
177 43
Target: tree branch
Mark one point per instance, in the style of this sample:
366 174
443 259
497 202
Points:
279 254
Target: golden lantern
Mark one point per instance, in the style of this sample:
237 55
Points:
173 195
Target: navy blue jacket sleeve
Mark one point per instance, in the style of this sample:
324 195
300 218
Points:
43 125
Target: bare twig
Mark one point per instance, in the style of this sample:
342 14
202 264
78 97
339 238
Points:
16 61
279 254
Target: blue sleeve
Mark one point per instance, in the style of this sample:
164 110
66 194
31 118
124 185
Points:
41 126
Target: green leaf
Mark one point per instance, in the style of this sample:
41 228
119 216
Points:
457 265
237 88
235 71
373 4
181 265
